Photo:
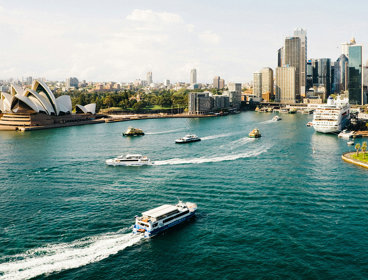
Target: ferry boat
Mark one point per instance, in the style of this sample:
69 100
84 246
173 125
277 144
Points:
276 118
129 160
255 133
188 139
131 131
332 117
162 218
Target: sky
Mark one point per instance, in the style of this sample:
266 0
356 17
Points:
121 41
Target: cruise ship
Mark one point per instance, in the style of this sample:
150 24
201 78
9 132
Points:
331 117
164 217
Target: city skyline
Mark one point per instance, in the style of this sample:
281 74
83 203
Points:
124 43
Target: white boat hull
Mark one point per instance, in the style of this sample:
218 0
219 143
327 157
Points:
114 163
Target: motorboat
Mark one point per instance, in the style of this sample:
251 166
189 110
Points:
131 131
350 143
276 118
159 219
255 133
188 139
309 124
129 160
346 134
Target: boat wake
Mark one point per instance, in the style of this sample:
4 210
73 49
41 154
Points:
199 160
267 122
216 136
240 142
62 256
164 132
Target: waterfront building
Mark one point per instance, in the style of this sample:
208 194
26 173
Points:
149 78
355 75
292 58
220 102
193 76
71 82
257 84
267 80
302 35
199 102
285 84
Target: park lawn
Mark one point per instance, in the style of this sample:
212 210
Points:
360 157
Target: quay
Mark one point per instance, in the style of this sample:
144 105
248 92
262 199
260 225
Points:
347 157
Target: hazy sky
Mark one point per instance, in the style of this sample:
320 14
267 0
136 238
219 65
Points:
122 40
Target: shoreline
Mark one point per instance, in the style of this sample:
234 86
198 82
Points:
109 119
347 158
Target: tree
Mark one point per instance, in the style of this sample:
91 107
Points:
357 147
364 148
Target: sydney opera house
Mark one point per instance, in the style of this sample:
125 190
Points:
37 106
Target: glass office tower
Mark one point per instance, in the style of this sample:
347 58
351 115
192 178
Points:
355 75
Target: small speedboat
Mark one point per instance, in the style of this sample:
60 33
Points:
188 139
276 118
129 160
309 124
131 131
350 143
163 217
255 133
346 134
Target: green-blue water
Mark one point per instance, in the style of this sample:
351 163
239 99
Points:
282 206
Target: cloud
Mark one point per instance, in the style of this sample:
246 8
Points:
209 37
151 16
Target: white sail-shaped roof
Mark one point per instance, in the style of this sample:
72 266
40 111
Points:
64 104
15 89
41 100
6 99
89 108
42 89
25 100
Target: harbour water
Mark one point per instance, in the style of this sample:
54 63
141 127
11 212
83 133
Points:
282 206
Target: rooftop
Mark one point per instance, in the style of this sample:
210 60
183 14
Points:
159 211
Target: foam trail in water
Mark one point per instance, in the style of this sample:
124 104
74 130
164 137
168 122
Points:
164 132
176 161
216 136
58 257
241 141
267 122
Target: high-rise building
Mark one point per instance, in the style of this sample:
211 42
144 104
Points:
221 83
29 80
285 84
199 102
149 78
324 74
341 74
71 82
267 80
193 76
355 75
257 85
309 82
345 47
292 58
216 82
281 57
235 91
302 34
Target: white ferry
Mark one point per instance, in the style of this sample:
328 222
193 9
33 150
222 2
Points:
188 139
129 160
331 117
161 218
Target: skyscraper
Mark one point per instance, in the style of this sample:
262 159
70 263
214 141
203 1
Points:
149 78
193 76
341 74
309 82
221 83
324 74
257 84
292 58
267 80
302 34
355 75
345 47
281 57
285 84
216 82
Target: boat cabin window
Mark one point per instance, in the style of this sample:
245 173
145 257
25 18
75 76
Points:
176 216
154 225
168 214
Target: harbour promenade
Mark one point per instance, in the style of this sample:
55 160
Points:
348 157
